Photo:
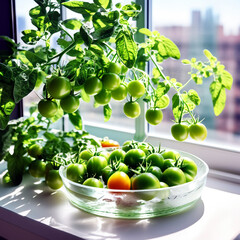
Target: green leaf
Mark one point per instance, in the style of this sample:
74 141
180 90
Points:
226 79
188 101
96 49
73 24
162 89
85 96
84 8
15 166
103 3
126 48
54 18
176 106
166 48
27 79
218 94
193 96
31 36
86 37
107 111
6 73
131 10
162 102
37 12
209 55
76 119
145 31
34 58
186 61
103 33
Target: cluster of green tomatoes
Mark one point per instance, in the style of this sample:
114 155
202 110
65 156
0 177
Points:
104 88
134 166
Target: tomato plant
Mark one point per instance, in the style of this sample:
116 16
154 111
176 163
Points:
47 108
119 180
132 109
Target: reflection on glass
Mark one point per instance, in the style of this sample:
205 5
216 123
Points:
195 26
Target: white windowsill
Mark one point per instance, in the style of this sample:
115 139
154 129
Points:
32 211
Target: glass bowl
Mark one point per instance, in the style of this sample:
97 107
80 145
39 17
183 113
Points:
136 204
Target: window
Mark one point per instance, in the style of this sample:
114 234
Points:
193 26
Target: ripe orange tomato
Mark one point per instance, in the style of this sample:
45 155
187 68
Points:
119 180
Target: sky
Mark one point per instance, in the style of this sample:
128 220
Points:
178 12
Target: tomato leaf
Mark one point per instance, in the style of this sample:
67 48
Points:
226 79
84 8
107 111
72 23
31 36
193 96
27 79
218 94
34 58
166 48
6 74
146 32
76 120
176 106
86 37
126 48
131 10
162 89
103 3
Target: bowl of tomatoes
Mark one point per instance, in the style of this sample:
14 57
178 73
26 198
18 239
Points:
135 181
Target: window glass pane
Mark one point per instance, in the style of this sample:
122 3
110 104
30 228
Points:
195 26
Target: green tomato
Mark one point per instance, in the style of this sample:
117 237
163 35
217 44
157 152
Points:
156 171
173 176
114 68
136 88
172 154
123 167
92 86
106 173
124 69
58 87
105 154
70 104
164 193
35 150
93 182
53 179
155 159
47 108
179 132
168 163
95 165
103 97
37 168
134 157
75 172
86 154
198 131
132 109
146 181
120 93
154 116
116 155
110 81
189 167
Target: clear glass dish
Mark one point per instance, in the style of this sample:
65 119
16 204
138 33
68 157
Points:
130 204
